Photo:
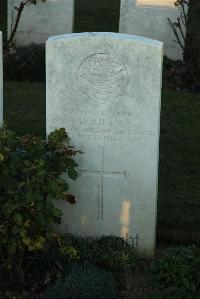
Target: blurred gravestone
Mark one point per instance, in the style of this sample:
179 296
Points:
40 21
96 16
148 18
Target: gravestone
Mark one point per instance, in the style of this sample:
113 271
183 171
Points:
1 78
40 21
104 88
148 18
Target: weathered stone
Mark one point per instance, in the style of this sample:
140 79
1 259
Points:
104 88
40 21
148 18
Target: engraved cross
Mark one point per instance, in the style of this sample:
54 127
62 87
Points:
101 174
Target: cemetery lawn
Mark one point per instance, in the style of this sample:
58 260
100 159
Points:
179 172
24 107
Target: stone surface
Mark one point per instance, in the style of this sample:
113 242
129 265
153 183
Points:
148 18
1 78
40 21
104 88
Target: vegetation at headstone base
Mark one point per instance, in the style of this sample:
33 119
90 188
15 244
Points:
31 182
186 73
111 253
177 273
83 282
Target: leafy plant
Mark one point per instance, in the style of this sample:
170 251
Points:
30 172
83 282
50 263
172 293
178 272
111 253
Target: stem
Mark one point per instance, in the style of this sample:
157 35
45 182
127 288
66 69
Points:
19 9
181 30
176 34
13 32
184 13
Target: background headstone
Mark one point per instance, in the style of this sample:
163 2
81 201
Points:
148 18
104 88
1 78
40 21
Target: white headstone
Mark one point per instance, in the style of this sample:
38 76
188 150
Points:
148 18
1 78
104 88
38 22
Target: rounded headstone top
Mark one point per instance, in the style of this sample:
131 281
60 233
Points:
110 35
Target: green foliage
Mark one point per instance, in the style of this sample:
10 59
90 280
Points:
48 264
177 273
111 253
172 293
30 172
83 282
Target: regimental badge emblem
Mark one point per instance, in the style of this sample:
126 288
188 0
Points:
102 77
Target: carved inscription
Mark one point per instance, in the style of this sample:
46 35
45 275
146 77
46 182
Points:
102 77
107 126
104 126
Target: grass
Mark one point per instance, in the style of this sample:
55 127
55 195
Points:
179 171
24 107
